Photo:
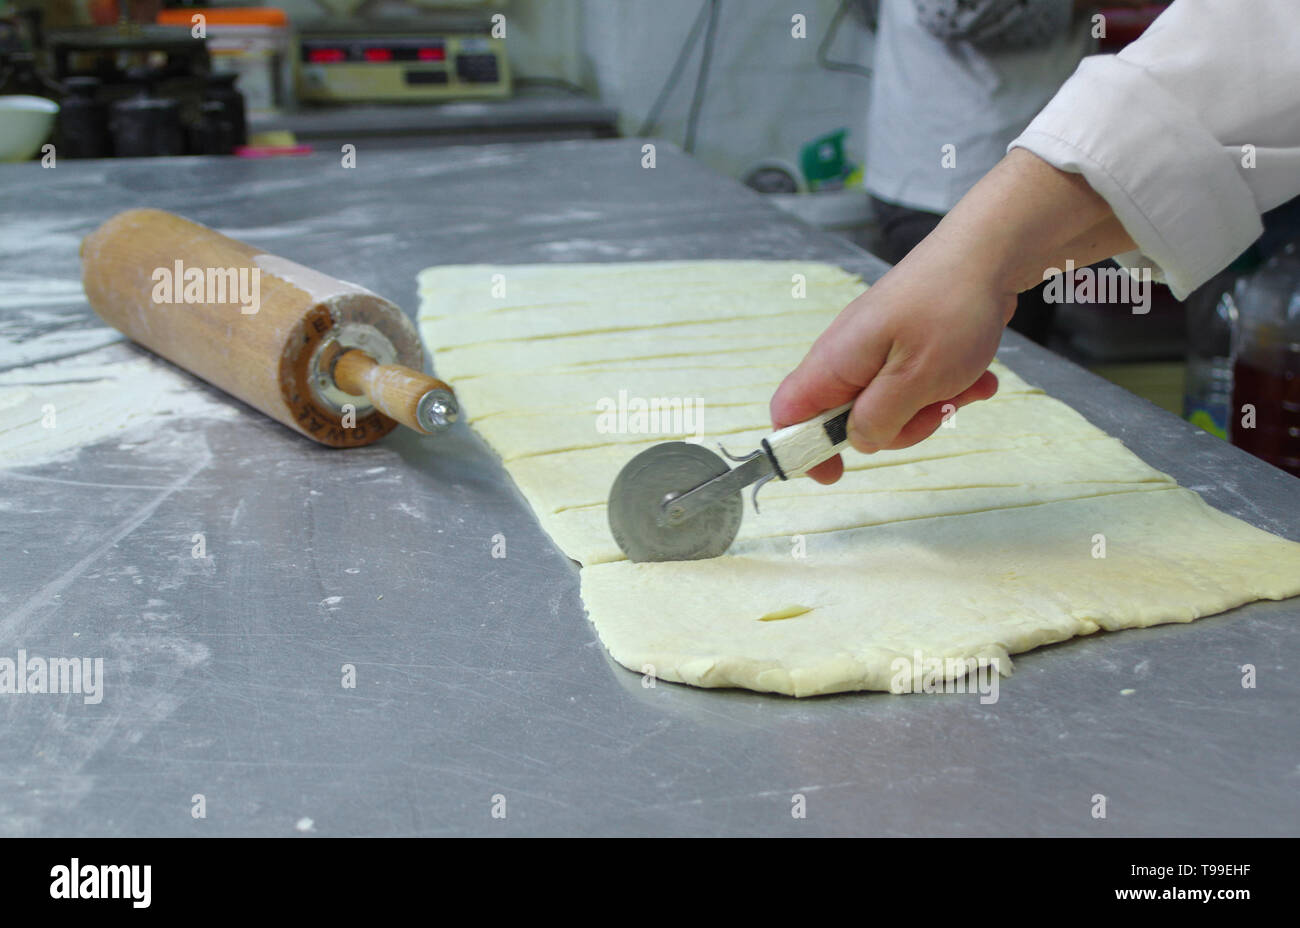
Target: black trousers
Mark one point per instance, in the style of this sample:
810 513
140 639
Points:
901 230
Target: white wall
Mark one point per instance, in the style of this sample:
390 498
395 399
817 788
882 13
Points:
766 95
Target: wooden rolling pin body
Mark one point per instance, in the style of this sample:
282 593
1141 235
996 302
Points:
264 329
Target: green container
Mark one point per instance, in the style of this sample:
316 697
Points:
822 161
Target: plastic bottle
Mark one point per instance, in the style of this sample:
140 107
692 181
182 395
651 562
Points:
1207 393
1265 415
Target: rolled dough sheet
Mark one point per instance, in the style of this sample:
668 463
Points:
977 543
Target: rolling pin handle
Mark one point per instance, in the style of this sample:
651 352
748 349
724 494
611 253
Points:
416 400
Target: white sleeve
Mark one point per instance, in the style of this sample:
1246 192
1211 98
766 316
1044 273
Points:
1190 133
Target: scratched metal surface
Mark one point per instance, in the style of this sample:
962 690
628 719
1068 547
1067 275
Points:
479 677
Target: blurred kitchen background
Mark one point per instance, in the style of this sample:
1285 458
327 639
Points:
720 78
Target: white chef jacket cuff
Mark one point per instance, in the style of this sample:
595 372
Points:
1173 186
1135 262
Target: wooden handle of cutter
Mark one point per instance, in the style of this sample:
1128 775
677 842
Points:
416 400
260 327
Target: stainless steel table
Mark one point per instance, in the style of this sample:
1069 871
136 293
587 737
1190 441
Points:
480 677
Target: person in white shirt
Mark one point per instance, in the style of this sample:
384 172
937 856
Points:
1163 156
954 82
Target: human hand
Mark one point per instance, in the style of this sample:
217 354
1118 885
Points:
923 336
918 341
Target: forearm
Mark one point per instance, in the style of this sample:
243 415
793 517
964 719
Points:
1023 218
1104 240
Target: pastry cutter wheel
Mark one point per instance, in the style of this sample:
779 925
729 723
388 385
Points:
679 501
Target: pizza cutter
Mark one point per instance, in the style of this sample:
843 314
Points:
679 501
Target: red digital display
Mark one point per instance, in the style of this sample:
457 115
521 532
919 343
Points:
432 54
326 55
378 54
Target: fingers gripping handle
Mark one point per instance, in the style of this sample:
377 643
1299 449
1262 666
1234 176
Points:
796 449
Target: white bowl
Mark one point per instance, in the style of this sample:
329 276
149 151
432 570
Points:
25 123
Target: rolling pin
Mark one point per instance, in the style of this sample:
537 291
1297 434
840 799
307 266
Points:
329 359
